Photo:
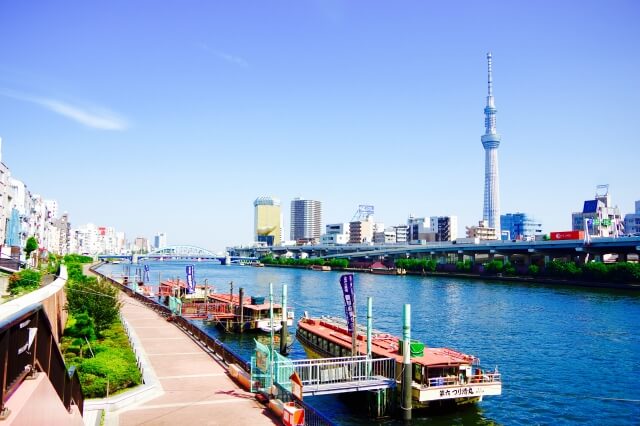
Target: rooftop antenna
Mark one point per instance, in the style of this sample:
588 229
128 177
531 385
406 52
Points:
602 190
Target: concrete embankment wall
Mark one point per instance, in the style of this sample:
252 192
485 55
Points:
52 297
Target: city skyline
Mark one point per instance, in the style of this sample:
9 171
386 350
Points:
179 119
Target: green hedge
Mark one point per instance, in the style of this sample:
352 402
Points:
334 263
112 364
24 281
416 265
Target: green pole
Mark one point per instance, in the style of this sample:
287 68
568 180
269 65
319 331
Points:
283 330
406 362
271 331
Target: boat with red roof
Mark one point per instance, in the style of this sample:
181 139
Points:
251 313
440 376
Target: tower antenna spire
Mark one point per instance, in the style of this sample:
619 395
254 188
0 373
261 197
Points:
490 75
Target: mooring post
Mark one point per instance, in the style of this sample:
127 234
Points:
271 331
406 363
283 330
369 324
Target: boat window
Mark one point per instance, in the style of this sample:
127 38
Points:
417 372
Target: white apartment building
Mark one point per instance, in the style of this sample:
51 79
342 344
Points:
335 233
482 231
159 241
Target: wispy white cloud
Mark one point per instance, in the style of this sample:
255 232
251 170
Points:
227 57
96 118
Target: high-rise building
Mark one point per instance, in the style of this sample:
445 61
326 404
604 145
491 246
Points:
418 228
491 142
267 221
632 221
520 226
445 228
306 220
160 241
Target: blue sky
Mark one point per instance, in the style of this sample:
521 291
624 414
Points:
174 116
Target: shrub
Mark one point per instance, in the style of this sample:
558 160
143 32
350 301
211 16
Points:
624 272
113 365
560 269
493 267
595 271
77 258
82 327
509 269
533 270
24 281
339 263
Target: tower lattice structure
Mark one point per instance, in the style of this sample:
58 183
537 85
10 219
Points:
491 142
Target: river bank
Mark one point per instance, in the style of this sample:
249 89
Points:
491 277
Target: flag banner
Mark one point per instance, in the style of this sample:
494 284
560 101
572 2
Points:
146 273
191 282
346 281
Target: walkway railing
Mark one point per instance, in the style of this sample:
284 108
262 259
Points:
312 417
28 346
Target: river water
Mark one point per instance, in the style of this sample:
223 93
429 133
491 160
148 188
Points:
567 355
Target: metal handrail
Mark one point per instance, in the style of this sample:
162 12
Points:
28 345
435 382
316 372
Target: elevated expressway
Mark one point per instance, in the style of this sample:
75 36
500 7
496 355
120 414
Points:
527 251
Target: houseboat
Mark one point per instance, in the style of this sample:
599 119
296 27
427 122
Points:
440 376
323 268
380 269
250 313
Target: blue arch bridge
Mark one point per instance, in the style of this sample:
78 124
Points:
180 253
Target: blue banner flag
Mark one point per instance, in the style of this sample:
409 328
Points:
191 282
346 281
146 273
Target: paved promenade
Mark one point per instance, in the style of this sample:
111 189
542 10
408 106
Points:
197 390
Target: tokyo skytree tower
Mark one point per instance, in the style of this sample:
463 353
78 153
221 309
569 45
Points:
491 142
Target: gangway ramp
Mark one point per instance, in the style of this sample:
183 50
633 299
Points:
339 375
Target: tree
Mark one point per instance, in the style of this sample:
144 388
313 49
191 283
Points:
99 299
32 245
